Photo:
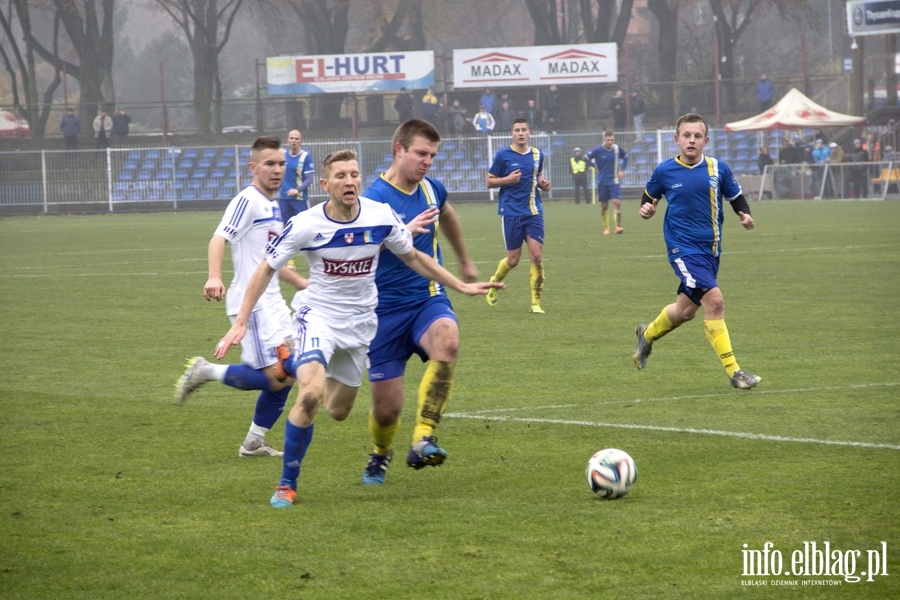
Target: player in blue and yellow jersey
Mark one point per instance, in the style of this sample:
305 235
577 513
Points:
414 313
695 186
518 171
298 175
610 159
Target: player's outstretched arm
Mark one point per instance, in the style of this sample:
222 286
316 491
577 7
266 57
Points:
452 228
258 283
429 268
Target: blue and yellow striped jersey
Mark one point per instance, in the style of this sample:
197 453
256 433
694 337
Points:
523 198
608 162
397 283
694 193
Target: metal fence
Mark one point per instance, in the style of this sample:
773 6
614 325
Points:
179 178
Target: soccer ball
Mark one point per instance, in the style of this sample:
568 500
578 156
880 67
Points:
611 473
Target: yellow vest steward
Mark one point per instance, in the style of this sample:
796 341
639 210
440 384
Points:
578 165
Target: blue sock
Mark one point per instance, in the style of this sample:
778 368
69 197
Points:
243 377
296 443
269 406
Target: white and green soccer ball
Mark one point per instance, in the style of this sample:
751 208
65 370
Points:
611 473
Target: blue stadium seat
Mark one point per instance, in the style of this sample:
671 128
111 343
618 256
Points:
130 165
449 145
186 163
224 163
210 153
205 163
218 173
144 175
126 175
182 174
164 174
190 153
188 194
200 174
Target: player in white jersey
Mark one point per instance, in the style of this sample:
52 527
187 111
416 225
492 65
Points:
251 220
341 240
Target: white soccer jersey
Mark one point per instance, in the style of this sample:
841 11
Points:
342 257
251 221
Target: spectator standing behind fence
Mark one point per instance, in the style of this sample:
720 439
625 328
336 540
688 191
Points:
430 107
121 123
765 92
487 100
837 156
551 108
505 116
579 165
858 176
533 114
403 104
483 121
618 109
638 108
70 127
820 155
102 129
764 159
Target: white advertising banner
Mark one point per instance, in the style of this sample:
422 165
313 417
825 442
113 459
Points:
330 73
535 65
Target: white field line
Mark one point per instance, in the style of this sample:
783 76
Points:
495 415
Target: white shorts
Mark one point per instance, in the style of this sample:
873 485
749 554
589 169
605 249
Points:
268 328
339 345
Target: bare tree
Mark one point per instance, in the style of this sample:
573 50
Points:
207 28
19 62
402 30
733 17
666 13
89 27
602 21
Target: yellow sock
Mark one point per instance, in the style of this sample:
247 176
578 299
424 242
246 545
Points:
434 395
537 283
660 326
605 213
382 436
717 334
502 271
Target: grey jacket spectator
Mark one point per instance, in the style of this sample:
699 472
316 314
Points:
70 126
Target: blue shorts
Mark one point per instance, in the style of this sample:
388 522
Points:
399 330
697 273
515 229
291 207
605 193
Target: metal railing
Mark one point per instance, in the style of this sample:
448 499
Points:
177 178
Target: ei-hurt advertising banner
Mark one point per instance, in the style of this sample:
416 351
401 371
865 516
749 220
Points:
535 65
330 73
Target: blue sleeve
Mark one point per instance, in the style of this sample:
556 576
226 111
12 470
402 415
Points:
730 187
654 187
497 168
623 156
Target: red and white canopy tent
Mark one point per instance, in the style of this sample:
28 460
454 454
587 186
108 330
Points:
794 111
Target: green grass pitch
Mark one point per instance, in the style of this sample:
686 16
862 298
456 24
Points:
110 490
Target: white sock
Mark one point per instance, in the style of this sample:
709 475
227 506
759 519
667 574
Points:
217 372
255 436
